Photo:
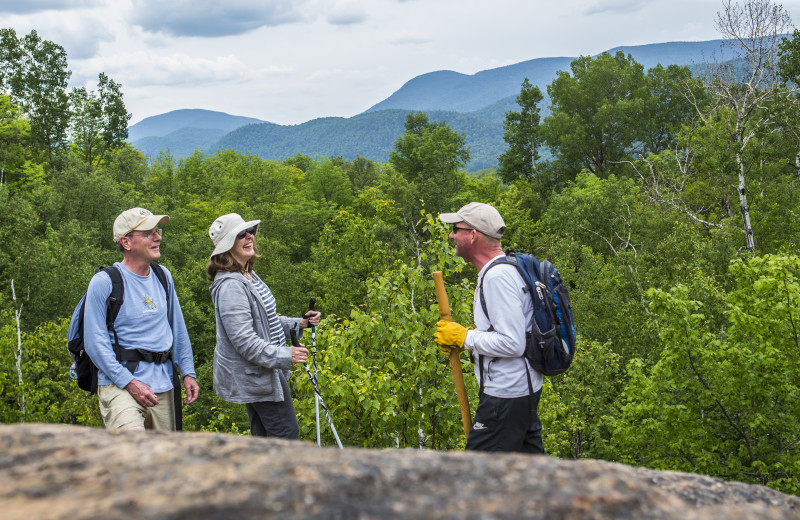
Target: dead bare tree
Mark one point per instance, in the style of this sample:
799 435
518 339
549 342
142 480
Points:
18 353
670 191
754 29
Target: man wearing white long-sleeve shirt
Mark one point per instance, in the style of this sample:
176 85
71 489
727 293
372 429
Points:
136 393
507 417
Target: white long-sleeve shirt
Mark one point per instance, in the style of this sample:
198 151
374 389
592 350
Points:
505 370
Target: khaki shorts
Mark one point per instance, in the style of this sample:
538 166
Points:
120 410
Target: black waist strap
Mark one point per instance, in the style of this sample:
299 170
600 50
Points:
134 356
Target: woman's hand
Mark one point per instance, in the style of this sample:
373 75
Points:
299 354
313 319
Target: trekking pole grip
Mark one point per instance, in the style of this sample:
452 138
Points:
455 362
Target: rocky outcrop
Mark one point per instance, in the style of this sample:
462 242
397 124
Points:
56 471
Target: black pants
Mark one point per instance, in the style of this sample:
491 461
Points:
274 418
507 425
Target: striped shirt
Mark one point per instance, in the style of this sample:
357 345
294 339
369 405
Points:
276 334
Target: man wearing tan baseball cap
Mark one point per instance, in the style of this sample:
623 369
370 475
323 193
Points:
507 417
135 357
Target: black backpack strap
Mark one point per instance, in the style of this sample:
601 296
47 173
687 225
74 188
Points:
162 277
115 299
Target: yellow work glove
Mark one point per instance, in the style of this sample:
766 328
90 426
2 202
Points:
449 334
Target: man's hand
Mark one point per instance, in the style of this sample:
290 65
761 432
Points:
192 390
450 334
142 393
313 319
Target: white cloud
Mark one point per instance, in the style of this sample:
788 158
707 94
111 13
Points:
145 69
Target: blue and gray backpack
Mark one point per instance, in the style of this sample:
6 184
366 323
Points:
550 344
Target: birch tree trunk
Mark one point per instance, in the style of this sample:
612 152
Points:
18 353
744 208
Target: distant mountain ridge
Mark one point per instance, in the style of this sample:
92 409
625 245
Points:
448 90
472 104
169 122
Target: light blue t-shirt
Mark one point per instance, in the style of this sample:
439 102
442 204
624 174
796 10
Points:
142 323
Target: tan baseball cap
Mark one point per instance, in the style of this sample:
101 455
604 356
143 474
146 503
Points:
479 216
136 219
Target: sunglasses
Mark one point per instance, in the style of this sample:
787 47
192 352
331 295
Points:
456 229
243 233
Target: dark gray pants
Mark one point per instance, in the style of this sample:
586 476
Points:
274 418
507 425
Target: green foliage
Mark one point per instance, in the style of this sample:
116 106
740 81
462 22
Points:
577 414
49 394
429 155
789 58
34 72
381 374
522 134
608 109
723 397
99 121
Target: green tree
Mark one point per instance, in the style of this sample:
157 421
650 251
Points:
608 111
595 113
522 134
99 122
50 395
35 73
723 397
430 155
14 140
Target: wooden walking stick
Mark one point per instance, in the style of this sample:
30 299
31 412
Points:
455 362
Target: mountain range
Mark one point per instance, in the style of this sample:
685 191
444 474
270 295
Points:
474 105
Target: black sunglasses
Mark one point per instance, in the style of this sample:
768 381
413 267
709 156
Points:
251 230
456 228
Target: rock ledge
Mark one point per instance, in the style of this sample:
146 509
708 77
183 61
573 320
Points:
56 471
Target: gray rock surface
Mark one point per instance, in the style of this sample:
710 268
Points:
56 471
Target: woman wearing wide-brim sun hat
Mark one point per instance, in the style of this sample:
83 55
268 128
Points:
251 361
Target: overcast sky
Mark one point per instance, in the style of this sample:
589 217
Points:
289 61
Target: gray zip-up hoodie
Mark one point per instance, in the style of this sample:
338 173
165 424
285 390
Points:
246 361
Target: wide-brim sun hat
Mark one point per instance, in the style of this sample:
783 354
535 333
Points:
482 217
136 219
224 230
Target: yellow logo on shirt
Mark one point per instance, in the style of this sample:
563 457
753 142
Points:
149 302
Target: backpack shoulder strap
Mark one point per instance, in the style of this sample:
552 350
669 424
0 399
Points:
117 296
508 260
162 277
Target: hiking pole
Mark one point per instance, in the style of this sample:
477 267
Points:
455 362
311 304
313 378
